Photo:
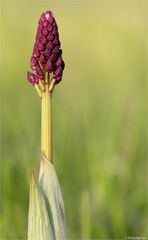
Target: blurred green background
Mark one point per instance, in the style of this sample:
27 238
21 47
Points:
99 117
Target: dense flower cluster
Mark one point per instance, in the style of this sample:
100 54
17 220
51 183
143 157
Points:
47 55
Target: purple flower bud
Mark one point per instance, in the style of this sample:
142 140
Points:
43 40
50 28
53 57
55 26
39 72
32 78
36 53
56 42
55 31
57 78
39 35
48 66
45 32
47 53
59 61
33 62
40 27
45 23
51 20
59 71
42 60
36 43
55 50
50 37
49 45
40 46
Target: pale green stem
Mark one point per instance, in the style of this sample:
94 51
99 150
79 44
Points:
46 128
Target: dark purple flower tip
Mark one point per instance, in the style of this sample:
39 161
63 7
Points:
40 46
44 32
50 28
55 50
57 78
39 72
43 40
59 61
42 60
45 23
49 45
48 66
40 28
55 25
33 62
56 42
39 35
32 78
50 37
36 43
59 71
55 32
36 53
53 57
47 53
62 65
51 19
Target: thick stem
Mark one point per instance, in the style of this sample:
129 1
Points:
46 128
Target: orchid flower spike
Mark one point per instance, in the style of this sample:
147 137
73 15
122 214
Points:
46 60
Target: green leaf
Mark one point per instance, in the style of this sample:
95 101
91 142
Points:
46 208
49 186
39 226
